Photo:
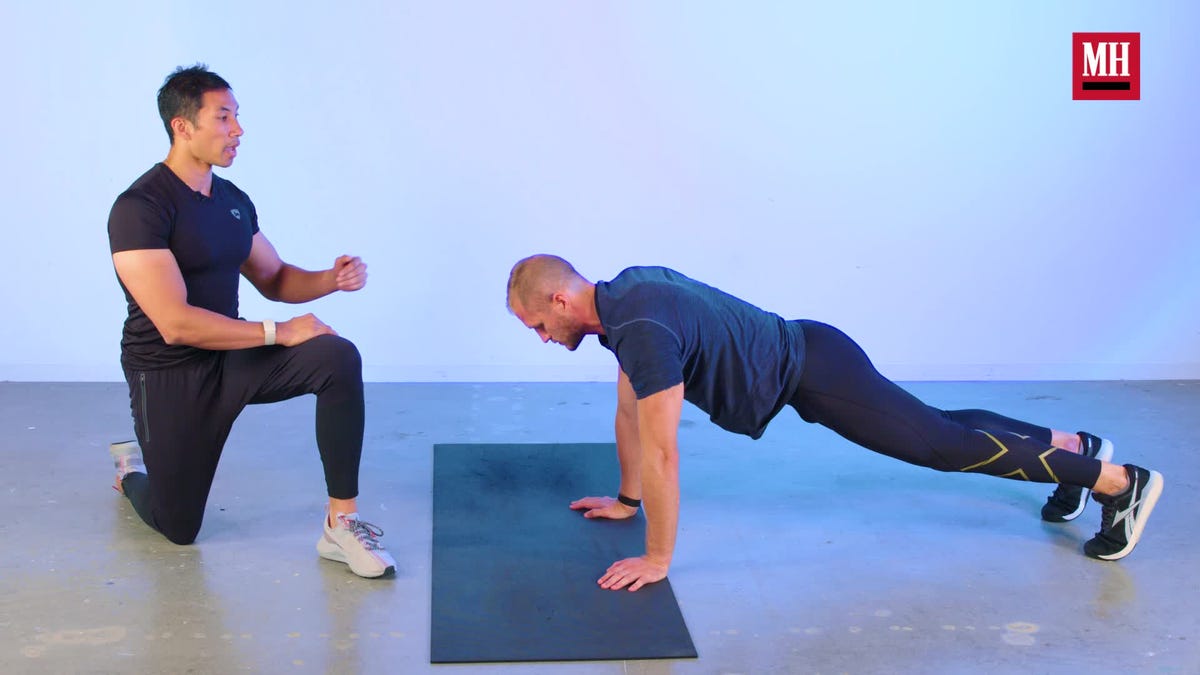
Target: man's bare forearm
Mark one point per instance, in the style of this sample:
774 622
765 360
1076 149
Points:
629 456
203 329
660 501
294 285
658 431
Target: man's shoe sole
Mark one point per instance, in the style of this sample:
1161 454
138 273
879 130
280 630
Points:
332 552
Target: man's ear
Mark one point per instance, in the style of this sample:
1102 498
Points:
182 128
560 301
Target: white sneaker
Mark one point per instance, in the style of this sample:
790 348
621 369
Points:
127 459
356 543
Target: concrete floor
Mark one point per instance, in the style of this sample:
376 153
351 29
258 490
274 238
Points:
798 553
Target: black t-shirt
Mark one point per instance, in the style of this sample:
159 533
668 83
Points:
738 363
210 238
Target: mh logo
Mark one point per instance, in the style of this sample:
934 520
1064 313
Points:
1106 66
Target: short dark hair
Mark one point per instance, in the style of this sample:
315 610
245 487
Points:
183 91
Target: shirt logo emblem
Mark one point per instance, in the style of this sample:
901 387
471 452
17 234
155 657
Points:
236 214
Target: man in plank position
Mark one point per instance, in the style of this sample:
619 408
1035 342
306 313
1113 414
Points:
676 338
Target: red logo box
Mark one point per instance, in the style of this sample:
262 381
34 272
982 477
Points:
1106 66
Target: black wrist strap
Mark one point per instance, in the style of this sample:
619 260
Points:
635 503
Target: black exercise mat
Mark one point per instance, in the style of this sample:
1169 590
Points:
515 570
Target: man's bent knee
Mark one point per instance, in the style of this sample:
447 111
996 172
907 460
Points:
338 353
182 533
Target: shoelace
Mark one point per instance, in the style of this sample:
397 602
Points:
1109 504
1108 511
366 534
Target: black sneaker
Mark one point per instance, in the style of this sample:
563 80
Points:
1068 501
1125 515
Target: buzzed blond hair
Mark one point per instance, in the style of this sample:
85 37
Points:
534 280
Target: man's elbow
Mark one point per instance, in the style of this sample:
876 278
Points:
174 330
663 461
268 285
627 419
172 336
269 289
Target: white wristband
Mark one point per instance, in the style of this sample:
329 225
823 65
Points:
268 332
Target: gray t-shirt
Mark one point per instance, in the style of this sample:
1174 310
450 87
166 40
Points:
738 363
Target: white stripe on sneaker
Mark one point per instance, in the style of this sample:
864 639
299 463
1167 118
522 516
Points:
1143 506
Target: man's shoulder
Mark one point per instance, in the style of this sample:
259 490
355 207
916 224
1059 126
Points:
642 281
650 287
643 298
154 186
645 273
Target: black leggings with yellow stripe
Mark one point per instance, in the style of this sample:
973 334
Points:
841 389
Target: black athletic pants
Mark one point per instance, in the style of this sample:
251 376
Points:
840 389
183 415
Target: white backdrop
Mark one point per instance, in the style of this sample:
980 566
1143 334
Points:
915 173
